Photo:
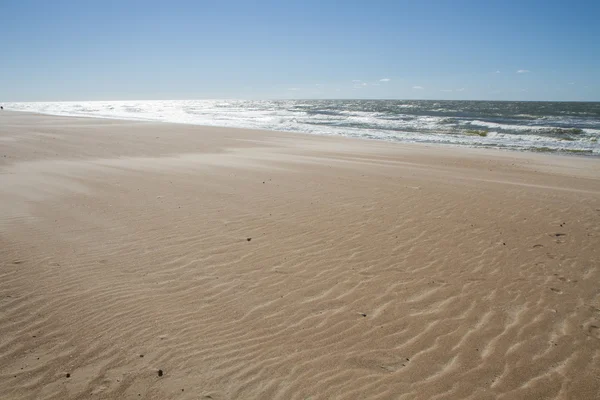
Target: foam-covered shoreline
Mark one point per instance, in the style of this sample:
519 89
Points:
574 132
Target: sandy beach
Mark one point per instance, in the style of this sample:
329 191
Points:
164 261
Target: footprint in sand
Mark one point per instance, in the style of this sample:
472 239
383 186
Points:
556 290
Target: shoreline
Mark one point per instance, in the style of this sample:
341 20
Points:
541 149
417 145
174 261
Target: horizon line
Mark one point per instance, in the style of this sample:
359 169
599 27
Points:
304 99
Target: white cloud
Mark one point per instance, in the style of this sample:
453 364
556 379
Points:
356 81
571 83
418 87
498 71
523 71
293 88
385 80
447 90
375 84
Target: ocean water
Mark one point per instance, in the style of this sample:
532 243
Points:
563 127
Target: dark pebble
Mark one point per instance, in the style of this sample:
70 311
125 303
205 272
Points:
364 315
68 375
160 372
249 239
141 355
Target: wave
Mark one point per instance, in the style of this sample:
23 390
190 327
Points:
469 124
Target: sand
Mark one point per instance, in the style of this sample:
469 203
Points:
163 261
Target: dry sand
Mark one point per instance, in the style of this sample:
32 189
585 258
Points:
374 270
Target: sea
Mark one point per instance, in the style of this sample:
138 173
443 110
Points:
552 127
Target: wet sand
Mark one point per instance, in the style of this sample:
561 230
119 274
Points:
163 261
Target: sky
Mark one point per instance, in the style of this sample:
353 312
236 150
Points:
171 49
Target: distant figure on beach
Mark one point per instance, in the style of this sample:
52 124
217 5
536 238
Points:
1 108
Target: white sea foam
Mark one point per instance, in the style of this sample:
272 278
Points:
352 119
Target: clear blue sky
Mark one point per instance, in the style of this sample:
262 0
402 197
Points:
55 50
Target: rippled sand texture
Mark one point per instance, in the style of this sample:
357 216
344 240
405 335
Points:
259 265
